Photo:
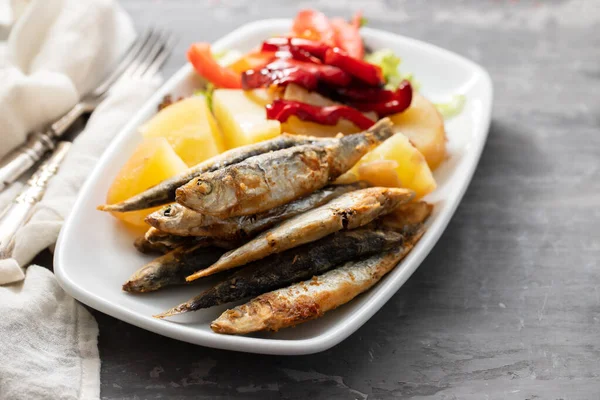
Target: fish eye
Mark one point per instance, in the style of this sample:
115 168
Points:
204 187
167 211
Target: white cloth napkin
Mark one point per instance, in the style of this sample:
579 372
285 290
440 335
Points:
56 50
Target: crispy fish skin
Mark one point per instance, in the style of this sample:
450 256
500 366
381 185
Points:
170 241
179 220
182 221
269 180
348 211
407 215
164 192
158 239
171 268
311 299
144 246
292 266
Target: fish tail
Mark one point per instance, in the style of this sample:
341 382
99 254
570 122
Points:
206 299
180 309
382 130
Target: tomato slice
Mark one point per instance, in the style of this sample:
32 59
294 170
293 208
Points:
204 63
347 35
314 25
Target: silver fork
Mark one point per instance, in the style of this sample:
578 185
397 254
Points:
150 54
140 62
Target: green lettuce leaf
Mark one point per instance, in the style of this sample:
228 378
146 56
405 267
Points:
390 66
453 107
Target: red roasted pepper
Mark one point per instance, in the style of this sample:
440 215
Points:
252 79
305 74
334 56
388 102
281 110
360 69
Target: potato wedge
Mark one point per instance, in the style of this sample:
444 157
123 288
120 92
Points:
424 127
152 161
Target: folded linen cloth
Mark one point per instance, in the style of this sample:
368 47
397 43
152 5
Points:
55 51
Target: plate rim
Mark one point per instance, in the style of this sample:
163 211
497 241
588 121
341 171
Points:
339 331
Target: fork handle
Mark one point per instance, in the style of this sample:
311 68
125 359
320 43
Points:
38 144
19 211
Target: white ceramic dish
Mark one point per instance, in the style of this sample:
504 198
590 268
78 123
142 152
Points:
95 254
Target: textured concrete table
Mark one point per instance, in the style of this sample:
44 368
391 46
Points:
507 306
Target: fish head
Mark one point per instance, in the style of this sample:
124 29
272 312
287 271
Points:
143 280
167 218
243 319
212 196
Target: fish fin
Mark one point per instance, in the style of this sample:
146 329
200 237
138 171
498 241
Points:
201 274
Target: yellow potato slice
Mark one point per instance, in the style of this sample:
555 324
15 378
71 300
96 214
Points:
296 126
242 120
152 161
190 128
424 127
396 163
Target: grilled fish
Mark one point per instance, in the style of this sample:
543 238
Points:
269 180
144 246
407 214
172 268
348 211
182 221
170 241
311 299
292 266
164 192
156 237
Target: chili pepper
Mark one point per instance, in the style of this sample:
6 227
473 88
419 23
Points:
281 110
360 69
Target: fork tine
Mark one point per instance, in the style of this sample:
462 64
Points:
154 51
127 58
162 56
140 57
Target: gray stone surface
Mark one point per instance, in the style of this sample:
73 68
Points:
507 305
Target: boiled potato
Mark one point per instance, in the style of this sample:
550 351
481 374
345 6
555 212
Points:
396 162
295 92
381 171
242 120
424 127
153 161
262 97
297 126
190 128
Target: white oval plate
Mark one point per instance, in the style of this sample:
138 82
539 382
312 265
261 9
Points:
95 253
